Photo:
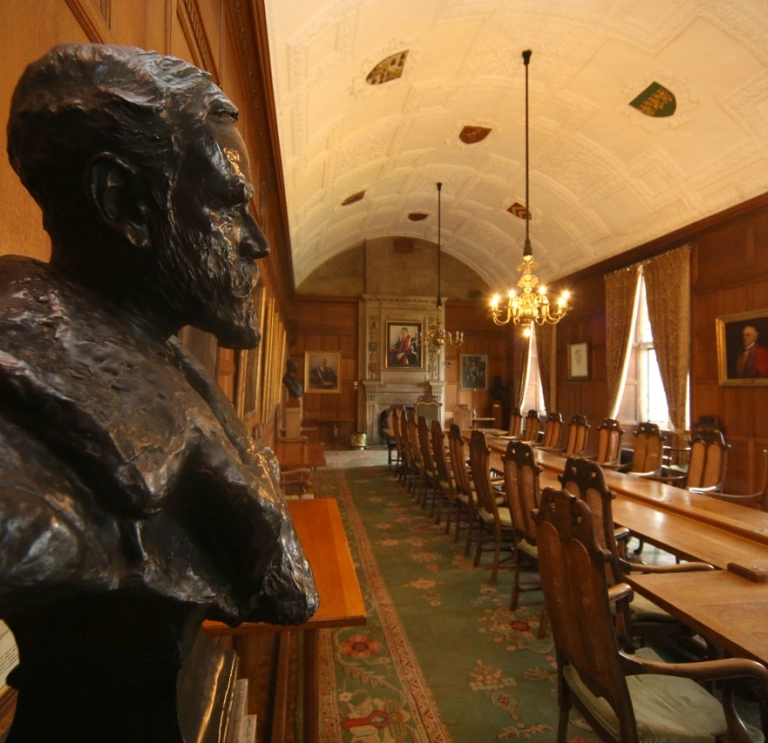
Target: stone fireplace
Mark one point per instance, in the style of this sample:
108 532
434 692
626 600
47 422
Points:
384 382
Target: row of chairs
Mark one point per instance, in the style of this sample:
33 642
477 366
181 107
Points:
594 626
594 615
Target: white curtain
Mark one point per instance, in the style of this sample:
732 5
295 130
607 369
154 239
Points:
621 297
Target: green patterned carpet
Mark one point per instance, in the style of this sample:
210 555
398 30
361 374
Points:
442 658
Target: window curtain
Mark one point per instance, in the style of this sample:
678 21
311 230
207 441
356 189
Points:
521 365
546 349
621 296
668 290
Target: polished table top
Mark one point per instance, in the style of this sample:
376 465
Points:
321 533
299 454
692 525
725 607
728 609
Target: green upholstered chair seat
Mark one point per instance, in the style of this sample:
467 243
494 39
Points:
529 549
505 517
465 498
667 709
642 609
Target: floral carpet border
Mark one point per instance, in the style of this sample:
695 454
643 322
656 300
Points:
423 708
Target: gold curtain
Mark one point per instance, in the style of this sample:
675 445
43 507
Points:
546 350
620 312
668 290
521 363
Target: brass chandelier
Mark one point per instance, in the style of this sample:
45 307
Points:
532 304
437 336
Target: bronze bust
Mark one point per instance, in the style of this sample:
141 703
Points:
133 502
293 385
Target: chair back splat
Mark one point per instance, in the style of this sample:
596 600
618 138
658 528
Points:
552 430
609 434
515 423
708 460
462 417
531 432
647 456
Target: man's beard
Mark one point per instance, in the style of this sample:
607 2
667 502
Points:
206 283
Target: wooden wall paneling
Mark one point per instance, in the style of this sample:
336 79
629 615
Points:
27 31
329 324
89 17
209 14
190 23
181 44
249 25
139 23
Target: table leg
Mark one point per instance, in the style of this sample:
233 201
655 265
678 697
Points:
311 686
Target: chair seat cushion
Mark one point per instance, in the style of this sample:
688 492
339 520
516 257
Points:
504 517
465 498
669 709
529 549
642 609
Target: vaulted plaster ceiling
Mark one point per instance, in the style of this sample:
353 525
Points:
604 176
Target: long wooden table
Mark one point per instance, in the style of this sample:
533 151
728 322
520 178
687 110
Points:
292 454
692 525
321 533
728 609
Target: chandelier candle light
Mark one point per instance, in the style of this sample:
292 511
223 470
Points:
532 304
437 336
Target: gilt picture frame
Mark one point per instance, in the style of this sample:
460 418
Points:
322 372
473 371
742 349
403 346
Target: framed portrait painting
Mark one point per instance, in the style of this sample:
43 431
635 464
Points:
474 371
742 349
403 345
322 371
578 361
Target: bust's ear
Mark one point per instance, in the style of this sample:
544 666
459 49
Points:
119 198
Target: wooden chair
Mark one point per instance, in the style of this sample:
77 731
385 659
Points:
390 438
419 477
403 446
585 479
631 698
757 499
462 417
552 430
515 423
445 479
432 492
427 409
647 456
576 440
707 463
465 491
521 482
531 430
494 520
609 434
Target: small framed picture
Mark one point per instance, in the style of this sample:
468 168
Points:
322 371
403 345
578 361
742 349
474 370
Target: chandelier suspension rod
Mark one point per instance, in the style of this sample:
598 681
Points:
527 247
439 297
